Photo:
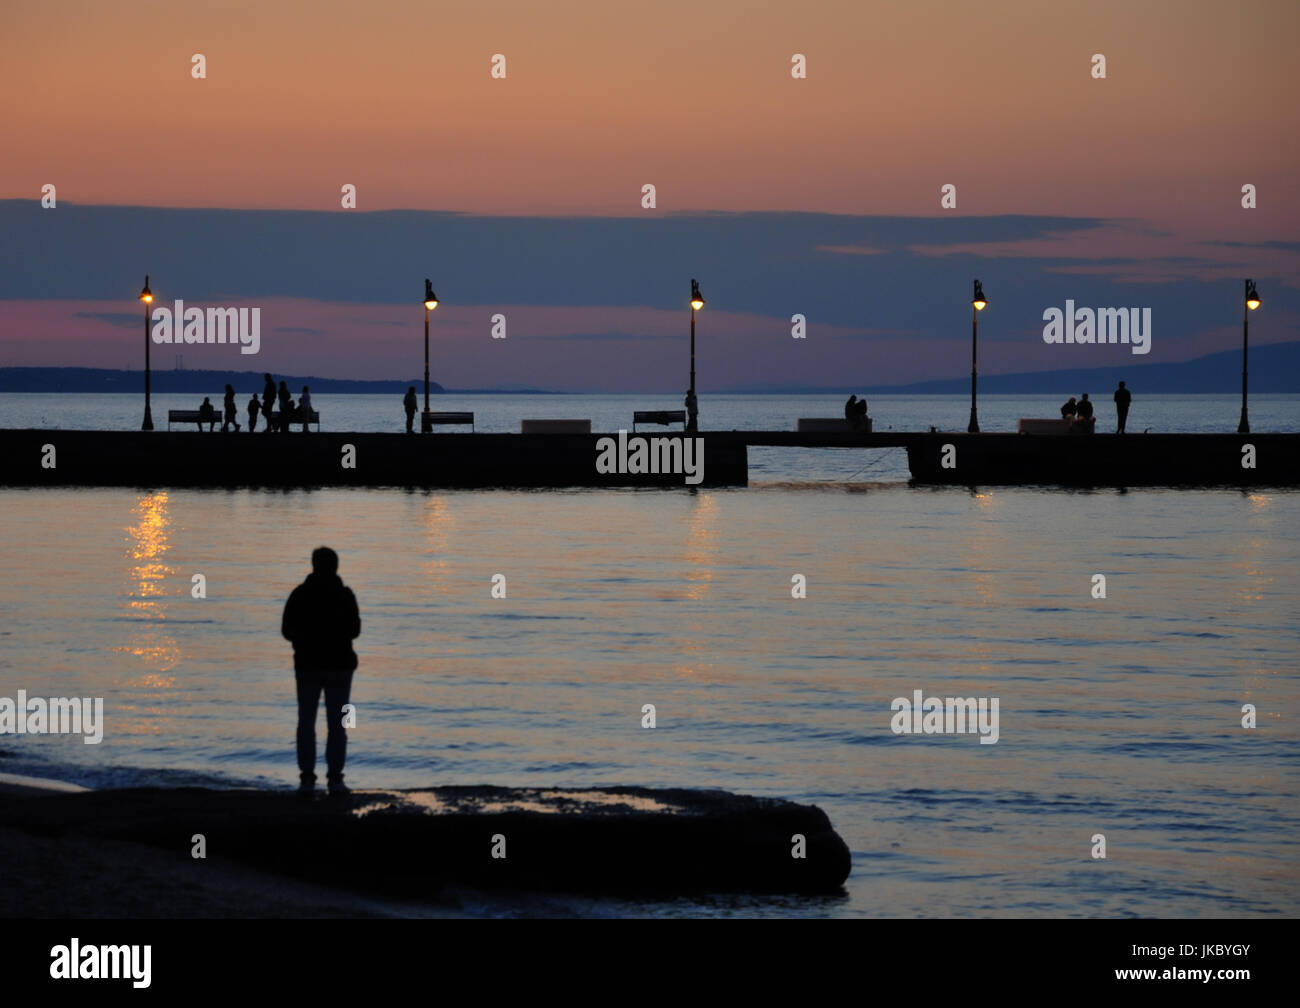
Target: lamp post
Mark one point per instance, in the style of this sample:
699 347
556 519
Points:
977 302
146 295
430 303
1252 302
697 302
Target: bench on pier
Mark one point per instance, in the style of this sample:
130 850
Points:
187 416
1054 426
428 418
830 425
663 417
554 426
297 418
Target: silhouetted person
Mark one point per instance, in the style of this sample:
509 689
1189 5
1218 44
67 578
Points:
321 619
1122 399
409 404
254 407
229 410
1069 410
304 406
268 400
207 415
855 412
286 409
1084 411
692 410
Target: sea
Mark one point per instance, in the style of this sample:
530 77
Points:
1151 715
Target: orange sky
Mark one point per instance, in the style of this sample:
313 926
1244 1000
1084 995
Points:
396 98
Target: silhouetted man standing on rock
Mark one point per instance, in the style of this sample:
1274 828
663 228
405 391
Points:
321 619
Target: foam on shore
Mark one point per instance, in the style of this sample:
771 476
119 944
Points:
21 784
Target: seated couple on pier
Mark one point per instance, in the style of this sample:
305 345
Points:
1079 415
855 412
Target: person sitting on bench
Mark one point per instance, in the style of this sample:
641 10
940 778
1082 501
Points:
1085 420
207 415
1069 410
855 412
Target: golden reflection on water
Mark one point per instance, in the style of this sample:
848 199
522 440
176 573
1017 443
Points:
519 800
699 557
147 544
701 545
440 533
1254 578
988 547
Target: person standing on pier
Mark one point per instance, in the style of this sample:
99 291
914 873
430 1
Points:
286 408
1122 399
692 411
268 400
254 407
304 407
321 620
409 403
229 410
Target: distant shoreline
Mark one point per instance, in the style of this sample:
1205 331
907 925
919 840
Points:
1274 370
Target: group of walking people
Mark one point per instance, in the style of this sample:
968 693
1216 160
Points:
289 411
1079 412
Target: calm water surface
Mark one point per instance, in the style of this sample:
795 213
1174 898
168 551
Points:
1118 716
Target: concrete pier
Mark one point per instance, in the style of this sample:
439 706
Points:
295 459
190 459
1106 460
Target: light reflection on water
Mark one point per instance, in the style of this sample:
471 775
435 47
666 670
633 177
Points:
549 800
1119 716
150 580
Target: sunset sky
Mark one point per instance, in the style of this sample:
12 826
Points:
523 195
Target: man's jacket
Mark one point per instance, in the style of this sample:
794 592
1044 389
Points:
321 619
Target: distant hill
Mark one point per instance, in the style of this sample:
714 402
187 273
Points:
1273 368
75 379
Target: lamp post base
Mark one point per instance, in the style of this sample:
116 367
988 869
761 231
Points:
148 420
974 426
1244 426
